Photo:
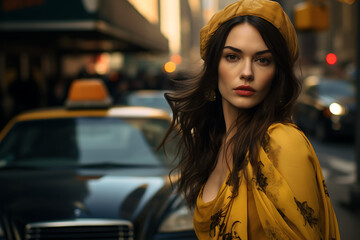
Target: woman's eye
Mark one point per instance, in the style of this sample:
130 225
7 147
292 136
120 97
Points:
231 57
264 61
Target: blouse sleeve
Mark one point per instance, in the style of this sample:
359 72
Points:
291 182
296 163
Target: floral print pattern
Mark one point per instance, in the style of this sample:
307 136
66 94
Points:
233 234
261 180
325 188
217 220
218 223
271 152
307 212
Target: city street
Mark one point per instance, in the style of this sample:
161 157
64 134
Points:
84 164
337 159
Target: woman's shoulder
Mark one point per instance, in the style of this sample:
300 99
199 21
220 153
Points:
285 129
287 146
287 134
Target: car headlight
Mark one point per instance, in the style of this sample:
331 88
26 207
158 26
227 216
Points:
179 220
337 109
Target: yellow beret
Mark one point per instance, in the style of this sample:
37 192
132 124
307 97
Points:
271 11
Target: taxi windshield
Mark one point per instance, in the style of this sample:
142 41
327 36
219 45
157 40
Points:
77 142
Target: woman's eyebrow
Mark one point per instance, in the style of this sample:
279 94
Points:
233 49
240 51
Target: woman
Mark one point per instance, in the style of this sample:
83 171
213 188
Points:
245 168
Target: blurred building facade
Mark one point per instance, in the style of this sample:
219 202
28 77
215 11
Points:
45 44
338 38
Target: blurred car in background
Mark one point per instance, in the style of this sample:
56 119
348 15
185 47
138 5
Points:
148 98
89 171
326 107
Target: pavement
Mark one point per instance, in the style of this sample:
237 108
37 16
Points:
338 165
348 218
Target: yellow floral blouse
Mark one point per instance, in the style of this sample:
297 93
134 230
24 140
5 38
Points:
285 199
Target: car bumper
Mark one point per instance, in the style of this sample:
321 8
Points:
343 125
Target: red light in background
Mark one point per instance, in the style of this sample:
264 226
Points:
331 59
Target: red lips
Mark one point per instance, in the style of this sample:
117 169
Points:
244 90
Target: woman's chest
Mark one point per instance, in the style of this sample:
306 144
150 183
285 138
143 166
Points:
217 178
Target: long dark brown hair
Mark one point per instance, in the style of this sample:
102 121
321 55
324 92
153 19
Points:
199 123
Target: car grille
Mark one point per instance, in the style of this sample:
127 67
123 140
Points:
89 229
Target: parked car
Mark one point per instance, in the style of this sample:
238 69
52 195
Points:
89 170
326 107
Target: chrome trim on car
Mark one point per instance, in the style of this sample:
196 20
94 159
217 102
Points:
80 228
82 222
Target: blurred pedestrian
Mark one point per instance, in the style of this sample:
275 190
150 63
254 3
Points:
248 171
25 94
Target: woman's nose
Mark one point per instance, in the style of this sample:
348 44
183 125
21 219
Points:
247 71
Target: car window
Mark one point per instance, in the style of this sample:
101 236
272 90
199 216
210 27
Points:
155 100
337 89
82 141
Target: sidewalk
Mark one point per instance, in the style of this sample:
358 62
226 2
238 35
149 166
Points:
348 219
337 160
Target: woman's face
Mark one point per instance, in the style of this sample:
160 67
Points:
246 69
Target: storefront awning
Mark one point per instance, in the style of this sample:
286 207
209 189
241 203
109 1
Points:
79 25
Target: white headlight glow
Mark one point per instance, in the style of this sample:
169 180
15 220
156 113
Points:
336 109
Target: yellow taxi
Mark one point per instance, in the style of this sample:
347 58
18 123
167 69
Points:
89 169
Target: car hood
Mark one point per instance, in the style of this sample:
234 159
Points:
50 195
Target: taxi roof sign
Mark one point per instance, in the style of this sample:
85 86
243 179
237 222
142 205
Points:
88 93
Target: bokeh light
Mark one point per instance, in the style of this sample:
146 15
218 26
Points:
331 58
176 58
170 67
